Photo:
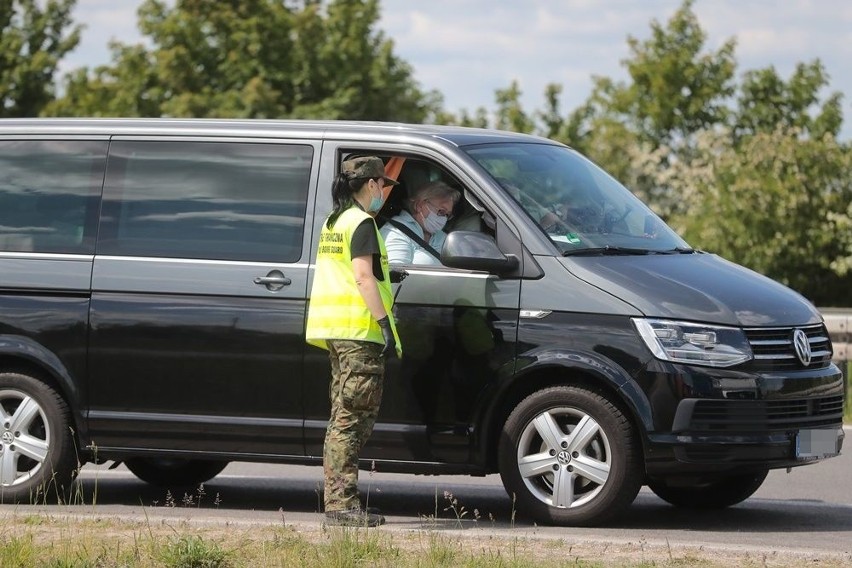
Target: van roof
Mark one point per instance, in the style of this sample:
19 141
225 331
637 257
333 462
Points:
325 129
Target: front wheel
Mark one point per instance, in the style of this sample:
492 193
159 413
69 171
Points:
569 456
37 457
717 493
167 472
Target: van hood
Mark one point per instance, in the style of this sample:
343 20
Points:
698 287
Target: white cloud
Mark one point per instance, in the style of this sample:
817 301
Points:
103 20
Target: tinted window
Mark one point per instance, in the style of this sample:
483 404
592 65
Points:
206 200
49 195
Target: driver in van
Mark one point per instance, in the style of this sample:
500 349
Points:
424 216
546 218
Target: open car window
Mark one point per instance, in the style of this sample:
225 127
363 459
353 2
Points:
413 172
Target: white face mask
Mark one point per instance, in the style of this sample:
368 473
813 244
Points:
433 222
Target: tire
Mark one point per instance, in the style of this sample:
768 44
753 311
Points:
596 475
717 493
37 449
167 472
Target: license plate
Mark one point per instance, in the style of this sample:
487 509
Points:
816 443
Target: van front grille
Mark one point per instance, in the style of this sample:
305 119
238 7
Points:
750 415
774 351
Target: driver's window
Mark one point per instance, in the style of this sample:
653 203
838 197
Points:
428 204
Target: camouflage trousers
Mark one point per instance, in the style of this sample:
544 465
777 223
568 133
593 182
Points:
357 375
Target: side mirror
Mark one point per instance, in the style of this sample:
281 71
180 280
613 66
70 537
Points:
472 250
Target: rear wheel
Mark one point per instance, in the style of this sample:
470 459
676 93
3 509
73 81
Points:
37 457
168 472
716 493
569 456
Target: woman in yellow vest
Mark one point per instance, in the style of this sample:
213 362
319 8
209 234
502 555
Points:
350 316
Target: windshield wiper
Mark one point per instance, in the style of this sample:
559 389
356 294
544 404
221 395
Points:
608 250
679 250
614 250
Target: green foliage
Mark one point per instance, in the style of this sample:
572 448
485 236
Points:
440 551
478 120
766 102
510 114
358 547
18 551
551 116
752 171
32 42
675 87
778 203
253 59
192 552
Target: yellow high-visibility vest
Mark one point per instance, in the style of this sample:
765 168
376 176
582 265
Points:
337 310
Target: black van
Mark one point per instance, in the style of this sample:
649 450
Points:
154 278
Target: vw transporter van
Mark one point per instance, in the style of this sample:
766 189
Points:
154 281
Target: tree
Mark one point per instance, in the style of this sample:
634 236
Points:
752 171
766 102
254 59
551 116
478 120
675 87
510 114
779 203
126 89
32 42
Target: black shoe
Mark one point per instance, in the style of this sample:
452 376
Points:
354 518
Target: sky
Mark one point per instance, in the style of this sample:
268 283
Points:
467 49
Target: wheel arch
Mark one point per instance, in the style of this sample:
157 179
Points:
23 355
556 368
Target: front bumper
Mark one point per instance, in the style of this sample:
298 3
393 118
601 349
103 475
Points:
730 420
689 452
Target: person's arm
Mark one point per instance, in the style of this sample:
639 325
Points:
362 269
399 247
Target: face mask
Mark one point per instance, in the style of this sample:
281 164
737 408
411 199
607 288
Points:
375 203
433 222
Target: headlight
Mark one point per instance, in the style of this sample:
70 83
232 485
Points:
696 344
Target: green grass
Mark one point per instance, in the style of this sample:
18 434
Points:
97 542
102 542
192 551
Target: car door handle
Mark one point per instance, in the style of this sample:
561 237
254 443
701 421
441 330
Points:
274 281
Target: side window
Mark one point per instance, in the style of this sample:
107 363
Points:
205 200
413 173
49 192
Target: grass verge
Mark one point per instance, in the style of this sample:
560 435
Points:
45 541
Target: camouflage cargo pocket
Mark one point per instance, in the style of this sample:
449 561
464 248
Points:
362 388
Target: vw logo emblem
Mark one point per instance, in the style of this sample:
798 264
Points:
802 346
7 437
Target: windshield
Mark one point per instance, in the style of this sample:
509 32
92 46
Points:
580 207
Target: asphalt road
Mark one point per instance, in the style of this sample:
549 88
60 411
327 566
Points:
806 510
